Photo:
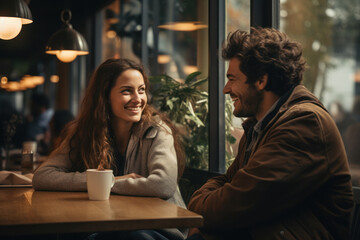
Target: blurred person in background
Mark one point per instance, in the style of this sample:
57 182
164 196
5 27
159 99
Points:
53 135
352 138
341 117
37 123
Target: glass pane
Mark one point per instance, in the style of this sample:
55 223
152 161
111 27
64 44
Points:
121 30
176 41
237 17
329 33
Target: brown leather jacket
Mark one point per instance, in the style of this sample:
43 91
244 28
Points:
295 185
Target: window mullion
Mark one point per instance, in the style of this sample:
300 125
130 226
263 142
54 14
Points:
216 84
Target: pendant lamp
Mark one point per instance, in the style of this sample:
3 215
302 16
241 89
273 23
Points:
13 14
67 43
183 26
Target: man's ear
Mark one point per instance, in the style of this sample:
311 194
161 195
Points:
262 82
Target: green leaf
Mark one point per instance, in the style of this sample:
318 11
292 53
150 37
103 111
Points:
155 79
190 108
170 104
195 119
198 82
201 101
192 76
187 107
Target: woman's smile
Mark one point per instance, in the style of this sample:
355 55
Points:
134 108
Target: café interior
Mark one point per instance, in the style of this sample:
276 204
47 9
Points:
56 46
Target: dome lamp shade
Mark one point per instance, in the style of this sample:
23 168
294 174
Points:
13 14
66 43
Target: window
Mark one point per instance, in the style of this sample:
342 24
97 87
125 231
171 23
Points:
237 17
329 34
171 39
145 31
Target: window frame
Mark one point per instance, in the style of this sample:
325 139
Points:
264 13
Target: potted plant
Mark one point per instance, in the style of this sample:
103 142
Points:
187 106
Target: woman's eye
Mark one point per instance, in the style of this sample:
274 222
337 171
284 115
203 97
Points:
141 90
126 91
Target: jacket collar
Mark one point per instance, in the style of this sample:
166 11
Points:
142 130
298 94
301 95
146 129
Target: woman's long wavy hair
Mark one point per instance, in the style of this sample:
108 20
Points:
267 51
89 136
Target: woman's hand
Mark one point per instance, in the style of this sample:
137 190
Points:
131 175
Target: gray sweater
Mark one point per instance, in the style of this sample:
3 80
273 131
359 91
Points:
150 153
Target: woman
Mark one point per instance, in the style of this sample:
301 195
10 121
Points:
117 129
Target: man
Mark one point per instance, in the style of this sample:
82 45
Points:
38 121
290 179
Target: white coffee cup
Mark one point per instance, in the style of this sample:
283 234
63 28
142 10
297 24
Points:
99 183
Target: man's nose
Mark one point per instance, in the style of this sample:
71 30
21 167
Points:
226 89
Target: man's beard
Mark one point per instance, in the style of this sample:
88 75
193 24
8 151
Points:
250 103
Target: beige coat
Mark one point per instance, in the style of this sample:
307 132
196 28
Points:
296 184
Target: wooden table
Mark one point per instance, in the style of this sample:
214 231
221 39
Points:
24 211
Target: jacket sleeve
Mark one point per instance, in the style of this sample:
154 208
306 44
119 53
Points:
287 168
55 174
162 166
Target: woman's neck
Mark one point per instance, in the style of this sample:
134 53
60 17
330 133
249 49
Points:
122 132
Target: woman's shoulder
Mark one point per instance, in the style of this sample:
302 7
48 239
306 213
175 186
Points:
159 127
153 128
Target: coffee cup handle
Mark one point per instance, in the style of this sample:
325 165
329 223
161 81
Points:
113 181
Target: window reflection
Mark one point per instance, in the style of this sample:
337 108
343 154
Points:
237 17
170 37
176 35
328 31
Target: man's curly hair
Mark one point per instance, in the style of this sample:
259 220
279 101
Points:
267 51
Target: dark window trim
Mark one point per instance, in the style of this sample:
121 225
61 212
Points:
216 84
144 24
98 32
265 13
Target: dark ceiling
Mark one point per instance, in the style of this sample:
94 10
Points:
29 45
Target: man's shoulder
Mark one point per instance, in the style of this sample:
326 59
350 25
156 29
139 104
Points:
307 118
307 108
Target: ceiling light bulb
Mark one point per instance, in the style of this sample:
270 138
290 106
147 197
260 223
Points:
66 55
111 34
183 26
54 78
4 80
163 58
10 27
